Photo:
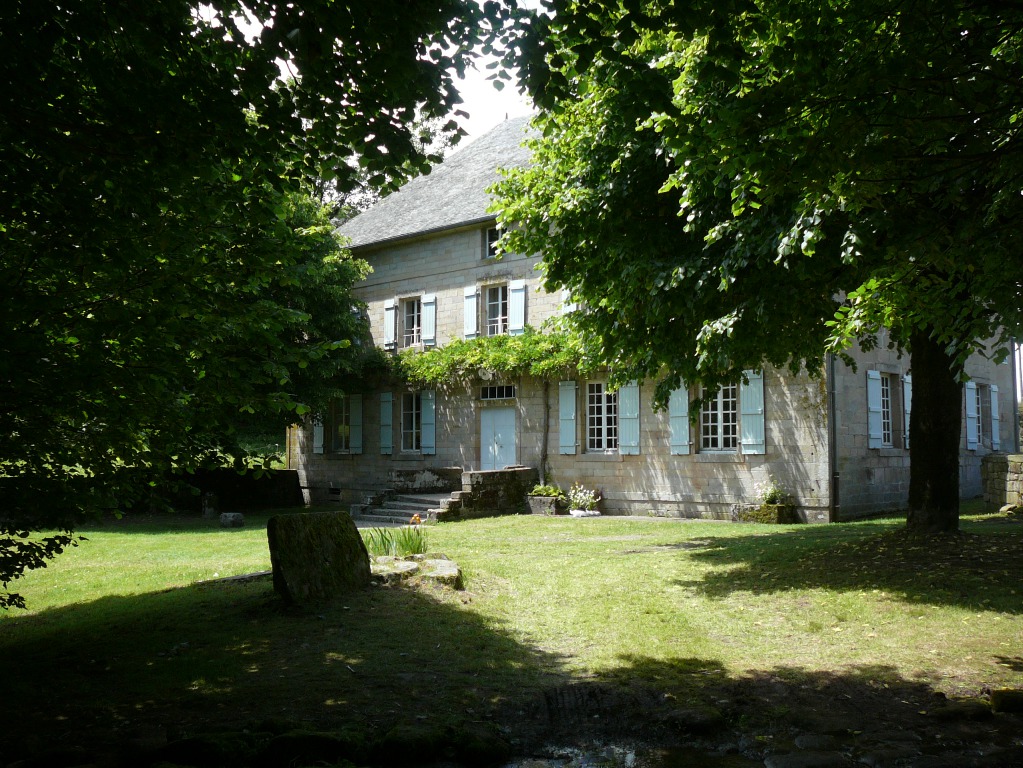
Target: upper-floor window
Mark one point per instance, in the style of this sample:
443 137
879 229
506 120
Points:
719 419
601 418
497 310
412 322
493 234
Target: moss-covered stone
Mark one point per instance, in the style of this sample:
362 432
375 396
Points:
316 556
783 514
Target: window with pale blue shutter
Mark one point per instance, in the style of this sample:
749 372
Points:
996 422
318 436
429 320
355 423
428 438
470 313
390 323
566 417
875 426
386 423
751 402
907 405
628 419
972 416
516 307
678 417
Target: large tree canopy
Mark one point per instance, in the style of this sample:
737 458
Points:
161 269
732 183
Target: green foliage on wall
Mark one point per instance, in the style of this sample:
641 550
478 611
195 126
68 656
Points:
542 355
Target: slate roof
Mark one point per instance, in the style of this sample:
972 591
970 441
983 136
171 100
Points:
452 194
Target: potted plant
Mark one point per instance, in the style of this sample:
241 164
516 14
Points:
582 502
546 499
774 505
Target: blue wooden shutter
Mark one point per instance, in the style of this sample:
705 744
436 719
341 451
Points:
996 420
386 417
390 323
318 436
907 405
751 403
355 423
429 320
628 419
566 417
972 417
428 436
678 417
471 313
516 307
875 436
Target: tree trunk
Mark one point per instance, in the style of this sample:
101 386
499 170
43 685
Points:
935 430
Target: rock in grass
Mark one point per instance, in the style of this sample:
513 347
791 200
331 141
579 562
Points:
316 556
1007 700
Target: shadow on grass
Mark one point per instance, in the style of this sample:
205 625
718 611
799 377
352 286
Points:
156 523
977 569
227 656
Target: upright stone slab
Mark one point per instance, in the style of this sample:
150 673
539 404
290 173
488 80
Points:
316 556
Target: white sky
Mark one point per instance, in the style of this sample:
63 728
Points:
486 105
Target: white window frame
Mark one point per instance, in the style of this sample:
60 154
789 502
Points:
719 420
411 321
496 309
886 411
601 418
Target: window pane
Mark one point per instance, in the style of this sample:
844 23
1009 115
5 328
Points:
411 421
719 419
886 410
497 310
411 322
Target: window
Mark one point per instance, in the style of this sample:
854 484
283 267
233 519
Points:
498 392
886 411
411 421
493 234
341 426
888 406
601 418
411 322
984 413
497 310
719 419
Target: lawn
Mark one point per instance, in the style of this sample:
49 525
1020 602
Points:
123 637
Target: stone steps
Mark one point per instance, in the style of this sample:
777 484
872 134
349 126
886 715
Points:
398 508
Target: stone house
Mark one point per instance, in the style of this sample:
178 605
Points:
838 443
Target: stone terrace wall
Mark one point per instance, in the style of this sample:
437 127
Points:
1002 477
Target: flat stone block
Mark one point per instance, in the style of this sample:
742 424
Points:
232 520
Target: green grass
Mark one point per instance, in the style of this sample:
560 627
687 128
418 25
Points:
119 634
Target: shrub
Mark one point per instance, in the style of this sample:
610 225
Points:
396 542
547 490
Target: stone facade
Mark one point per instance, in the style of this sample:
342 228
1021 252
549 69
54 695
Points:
835 442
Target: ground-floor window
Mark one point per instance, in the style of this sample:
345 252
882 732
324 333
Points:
411 421
341 426
601 418
886 410
719 419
